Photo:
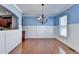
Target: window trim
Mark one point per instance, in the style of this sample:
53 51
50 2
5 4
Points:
63 26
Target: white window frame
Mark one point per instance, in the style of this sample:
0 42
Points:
63 26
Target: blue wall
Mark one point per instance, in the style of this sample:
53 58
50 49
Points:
32 21
73 15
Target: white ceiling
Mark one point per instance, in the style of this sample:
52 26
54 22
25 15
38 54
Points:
4 11
50 9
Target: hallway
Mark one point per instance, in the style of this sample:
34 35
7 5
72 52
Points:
42 46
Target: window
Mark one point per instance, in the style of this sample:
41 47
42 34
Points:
63 26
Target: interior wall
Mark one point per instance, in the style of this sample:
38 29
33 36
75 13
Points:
13 36
34 29
15 11
14 22
73 28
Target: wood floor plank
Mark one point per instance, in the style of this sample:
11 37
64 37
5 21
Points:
42 46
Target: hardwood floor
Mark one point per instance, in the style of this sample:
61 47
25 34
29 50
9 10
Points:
42 46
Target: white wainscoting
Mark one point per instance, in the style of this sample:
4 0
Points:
38 31
13 38
2 42
73 36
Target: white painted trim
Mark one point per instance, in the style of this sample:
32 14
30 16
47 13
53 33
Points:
18 8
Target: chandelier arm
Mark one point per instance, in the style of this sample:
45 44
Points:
42 19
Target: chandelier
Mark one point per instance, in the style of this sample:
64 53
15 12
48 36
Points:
42 19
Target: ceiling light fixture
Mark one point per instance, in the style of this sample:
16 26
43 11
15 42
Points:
42 19
7 12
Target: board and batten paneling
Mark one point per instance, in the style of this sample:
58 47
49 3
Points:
2 42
